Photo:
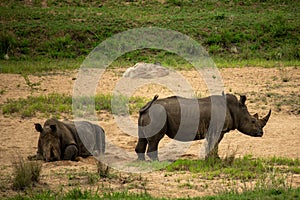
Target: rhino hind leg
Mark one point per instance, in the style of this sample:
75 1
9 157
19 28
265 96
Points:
70 153
152 150
147 137
140 148
153 145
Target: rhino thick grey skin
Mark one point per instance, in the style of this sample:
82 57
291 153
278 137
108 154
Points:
62 140
236 116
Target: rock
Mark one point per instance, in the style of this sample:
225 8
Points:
6 57
146 70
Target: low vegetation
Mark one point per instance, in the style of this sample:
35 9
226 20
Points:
231 31
26 174
45 67
269 178
58 104
245 168
289 194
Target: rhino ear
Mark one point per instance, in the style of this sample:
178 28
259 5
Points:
255 115
243 99
53 127
38 127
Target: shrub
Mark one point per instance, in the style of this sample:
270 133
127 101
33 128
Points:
26 173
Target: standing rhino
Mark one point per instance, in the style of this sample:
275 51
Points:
163 116
63 140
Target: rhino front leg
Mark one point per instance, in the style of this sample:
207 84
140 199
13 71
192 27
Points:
214 152
140 148
70 153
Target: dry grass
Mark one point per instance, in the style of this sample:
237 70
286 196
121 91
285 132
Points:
26 173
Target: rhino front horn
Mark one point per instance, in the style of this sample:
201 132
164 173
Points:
265 119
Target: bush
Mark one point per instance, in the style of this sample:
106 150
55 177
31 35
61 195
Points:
26 173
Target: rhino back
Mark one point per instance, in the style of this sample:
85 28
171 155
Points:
189 119
89 137
186 118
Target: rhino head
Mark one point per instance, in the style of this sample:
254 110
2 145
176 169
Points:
50 142
250 124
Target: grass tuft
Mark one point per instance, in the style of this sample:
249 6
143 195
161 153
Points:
26 173
103 170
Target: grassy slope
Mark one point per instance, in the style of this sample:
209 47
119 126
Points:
229 30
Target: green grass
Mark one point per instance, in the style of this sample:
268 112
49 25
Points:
53 103
42 67
148 166
229 30
38 66
279 194
272 180
245 168
58 104
223 63
266 194
85 194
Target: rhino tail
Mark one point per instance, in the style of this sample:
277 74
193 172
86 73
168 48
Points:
148 105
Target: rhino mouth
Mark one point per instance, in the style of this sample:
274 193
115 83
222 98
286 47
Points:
255 134
52 156
259 134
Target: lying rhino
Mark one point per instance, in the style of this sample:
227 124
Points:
62 140
167 118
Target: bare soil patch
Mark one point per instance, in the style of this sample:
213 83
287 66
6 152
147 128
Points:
265 88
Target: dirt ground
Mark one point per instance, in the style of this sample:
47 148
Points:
266 88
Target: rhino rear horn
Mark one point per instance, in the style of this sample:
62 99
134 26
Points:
265 119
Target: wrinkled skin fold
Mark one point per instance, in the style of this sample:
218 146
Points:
67 140
161 117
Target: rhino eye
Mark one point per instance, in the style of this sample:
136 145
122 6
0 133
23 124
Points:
253 121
